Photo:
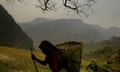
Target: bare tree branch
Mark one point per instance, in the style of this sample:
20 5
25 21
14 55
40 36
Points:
75 5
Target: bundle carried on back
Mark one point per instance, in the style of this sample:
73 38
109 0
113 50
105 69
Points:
72 52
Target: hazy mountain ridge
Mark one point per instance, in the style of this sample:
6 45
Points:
11 34
59 29
62 30
26 25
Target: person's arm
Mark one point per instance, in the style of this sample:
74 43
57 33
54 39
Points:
40 61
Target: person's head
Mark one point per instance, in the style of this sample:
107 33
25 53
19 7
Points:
47 47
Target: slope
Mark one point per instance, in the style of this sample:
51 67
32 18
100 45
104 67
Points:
10 33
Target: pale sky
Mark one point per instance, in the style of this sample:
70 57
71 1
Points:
106 13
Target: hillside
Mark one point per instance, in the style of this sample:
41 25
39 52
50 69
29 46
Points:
112 43
107 51
59 31
11 34
18 60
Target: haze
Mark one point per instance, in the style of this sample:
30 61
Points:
106 13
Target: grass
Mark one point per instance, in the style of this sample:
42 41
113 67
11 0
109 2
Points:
15 60
19 60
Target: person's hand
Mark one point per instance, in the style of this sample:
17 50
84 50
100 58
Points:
33 57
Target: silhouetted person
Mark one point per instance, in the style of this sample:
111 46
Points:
52 54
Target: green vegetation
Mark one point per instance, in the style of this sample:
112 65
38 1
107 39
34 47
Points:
18 60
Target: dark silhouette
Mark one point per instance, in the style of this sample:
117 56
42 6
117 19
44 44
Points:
53 57
11 34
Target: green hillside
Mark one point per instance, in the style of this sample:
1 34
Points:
108 52
18 60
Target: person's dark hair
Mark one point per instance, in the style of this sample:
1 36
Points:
47 46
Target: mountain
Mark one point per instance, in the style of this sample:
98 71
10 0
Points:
26 25
63 30
11 34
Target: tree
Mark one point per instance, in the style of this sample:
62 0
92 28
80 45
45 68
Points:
78 6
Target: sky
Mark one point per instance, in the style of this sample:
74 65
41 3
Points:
105 13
